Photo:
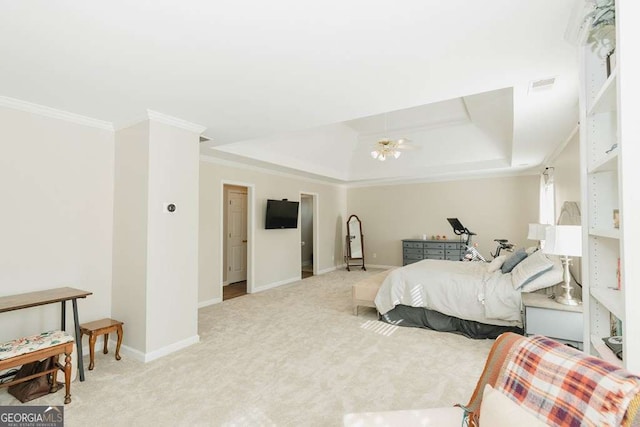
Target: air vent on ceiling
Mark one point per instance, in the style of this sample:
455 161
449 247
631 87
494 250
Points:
542 84
204 139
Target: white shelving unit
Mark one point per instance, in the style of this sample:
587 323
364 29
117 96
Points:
610 296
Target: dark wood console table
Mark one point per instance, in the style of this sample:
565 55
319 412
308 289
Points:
62 295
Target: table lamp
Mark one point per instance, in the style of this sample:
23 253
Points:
537 232
566 241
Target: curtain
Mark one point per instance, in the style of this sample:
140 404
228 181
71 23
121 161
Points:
547 214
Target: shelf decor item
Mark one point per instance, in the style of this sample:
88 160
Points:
602 33
566 241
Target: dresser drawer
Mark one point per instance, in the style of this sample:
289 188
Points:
453 252
412 245
434 256
434 245
418 255
452 245
434 251
413 251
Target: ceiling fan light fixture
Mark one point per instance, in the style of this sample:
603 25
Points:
388 147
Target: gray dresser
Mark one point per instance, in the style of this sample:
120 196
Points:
414 250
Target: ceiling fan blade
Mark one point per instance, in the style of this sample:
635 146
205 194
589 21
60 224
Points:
407 147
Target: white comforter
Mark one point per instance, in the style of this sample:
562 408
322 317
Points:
462 289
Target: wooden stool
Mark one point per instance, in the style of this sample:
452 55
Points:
101 327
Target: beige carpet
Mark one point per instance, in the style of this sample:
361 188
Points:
290 356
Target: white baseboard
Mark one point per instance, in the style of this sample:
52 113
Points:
276 284
171 348
209 302
134 354
381 266
327 270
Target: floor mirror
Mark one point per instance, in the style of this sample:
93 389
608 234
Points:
355 244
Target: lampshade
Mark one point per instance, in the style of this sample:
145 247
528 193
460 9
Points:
537 231
563 240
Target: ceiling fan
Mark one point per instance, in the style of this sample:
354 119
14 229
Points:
389 148
386 148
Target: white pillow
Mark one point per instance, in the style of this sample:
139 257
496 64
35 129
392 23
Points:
496 263
531 249
530 268
549 278
498 410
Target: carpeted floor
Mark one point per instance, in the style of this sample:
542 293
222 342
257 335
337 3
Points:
290 356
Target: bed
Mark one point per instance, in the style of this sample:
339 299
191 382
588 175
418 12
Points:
476 299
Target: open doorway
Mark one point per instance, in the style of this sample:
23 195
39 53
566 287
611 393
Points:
308 238
235 241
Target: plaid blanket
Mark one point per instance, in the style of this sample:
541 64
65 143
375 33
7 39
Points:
564 386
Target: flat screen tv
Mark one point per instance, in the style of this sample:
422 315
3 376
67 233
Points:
281 214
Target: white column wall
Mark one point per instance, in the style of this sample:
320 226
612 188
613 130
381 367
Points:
129 290
172 247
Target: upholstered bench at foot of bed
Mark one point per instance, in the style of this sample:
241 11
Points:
38 347
364 292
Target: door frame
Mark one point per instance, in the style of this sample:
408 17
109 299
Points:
315 197
250 231
242 192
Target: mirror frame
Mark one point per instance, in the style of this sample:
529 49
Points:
348 258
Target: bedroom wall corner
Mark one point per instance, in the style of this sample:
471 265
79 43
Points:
56 181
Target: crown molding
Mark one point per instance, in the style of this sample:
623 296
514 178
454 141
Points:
53 113
174 121
443 178
240 165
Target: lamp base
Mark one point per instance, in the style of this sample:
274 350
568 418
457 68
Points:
568 300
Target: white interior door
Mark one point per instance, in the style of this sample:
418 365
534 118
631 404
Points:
237 237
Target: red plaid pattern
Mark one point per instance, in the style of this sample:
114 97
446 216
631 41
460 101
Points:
564 386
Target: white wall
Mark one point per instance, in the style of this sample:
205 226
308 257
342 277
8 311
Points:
491 207
56 187
172 250
129 290
276 252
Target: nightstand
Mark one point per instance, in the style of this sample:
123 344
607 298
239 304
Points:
544 316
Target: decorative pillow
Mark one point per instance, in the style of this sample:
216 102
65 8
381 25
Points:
513 260
498 410
549 278
529 269
531 249
496 263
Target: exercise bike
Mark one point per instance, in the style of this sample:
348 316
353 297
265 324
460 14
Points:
471 252
503 244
